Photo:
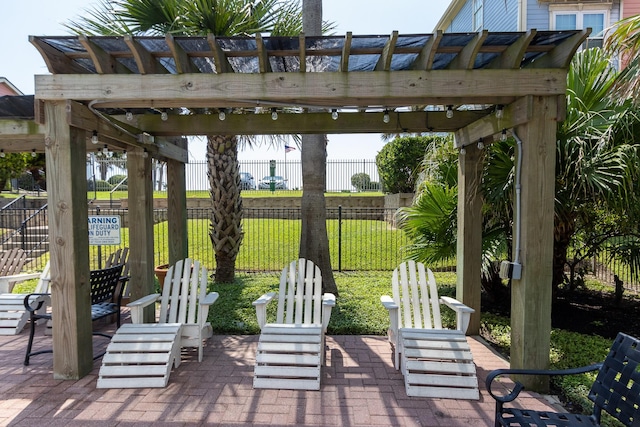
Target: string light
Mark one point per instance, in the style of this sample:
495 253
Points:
129 116
94 137
222 115
480 144
386 118
145 153
449 111
164 116
500 111
105 150
274 114
463 151
33 153
2 153
334 114
503 137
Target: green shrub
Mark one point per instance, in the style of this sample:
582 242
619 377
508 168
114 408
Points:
116 179
98 185
361 181
399 161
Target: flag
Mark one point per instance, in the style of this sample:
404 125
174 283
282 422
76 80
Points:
288 148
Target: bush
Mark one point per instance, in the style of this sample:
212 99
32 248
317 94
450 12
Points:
361 181
116 179
100 185
399 161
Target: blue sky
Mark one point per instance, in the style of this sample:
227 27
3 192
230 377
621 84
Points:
21 61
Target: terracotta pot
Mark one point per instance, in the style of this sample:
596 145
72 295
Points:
161 273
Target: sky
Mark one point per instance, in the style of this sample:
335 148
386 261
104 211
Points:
20 61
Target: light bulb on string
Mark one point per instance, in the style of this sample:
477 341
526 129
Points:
33 153
499 111
480 144
274 114
164 116
334 114
385 117
129 116
105 149
449 111
463 151
503 137
145 153
94 137
222 115
2 153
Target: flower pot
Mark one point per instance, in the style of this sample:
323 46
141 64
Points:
161 273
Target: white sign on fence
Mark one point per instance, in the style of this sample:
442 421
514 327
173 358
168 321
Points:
104 230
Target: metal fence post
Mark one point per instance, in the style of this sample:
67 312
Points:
340 238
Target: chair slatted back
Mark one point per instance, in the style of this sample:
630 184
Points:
617 386
121 257
11 261
416 293
300 294
184 285
44 282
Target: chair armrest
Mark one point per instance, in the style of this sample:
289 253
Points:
209 299
7 282
392 308
137 306
388 302
328 302
205 303
34 302
500 400
463 312
261 307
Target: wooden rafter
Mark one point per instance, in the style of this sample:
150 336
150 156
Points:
57 61
424 60
512 56
384 63
183 63
467 57
102 60
346 52
219 56
303 53
561 55
145 61
263 57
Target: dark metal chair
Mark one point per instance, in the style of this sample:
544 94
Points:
616 391
106 297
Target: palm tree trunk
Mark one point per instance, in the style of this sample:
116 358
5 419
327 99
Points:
314 242
226 218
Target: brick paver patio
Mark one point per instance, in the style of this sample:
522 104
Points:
360 387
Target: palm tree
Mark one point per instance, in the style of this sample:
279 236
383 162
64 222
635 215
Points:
624 40
201 17
596 171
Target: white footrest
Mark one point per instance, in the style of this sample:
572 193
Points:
289 357
437 364
140 356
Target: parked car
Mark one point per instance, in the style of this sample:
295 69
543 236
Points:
246 181
265 183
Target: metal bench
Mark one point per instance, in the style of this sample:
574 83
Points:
615 391
106 297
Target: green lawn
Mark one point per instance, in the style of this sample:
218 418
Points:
116 195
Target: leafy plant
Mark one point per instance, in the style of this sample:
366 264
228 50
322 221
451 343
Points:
399 163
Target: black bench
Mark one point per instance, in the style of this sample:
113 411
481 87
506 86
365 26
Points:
106 297
616 391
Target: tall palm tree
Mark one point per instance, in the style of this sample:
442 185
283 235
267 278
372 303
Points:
624 40
201 17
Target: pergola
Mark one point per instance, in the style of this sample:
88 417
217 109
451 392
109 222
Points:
119 87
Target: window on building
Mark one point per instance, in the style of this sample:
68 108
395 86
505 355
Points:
581 19
478 15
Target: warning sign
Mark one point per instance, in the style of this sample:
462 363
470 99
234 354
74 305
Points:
104 230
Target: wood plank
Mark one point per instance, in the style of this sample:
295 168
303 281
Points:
287 371
289 359
57 61
263 57
219 56
290 338
466 58
287 328
286 384
145 61
424 60
288 347
144 371
561 55
67 196
512 56
346 52
103 61
136 347
442 367
132 383
302 55
384 63
443 380
437 354
183 63
178 236
442 345
321 89
135 358
443 392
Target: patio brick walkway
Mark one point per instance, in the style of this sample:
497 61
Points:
360 387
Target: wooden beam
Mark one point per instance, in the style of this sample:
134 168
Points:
561 55
302 56
104 62
513 55
346 52
15 128
263 57
531 294
424 60
145 61
141 236
69 246
308 122
219 57
358 89
57 61
183 63
384 63
177 207
469 241
466 59
489 125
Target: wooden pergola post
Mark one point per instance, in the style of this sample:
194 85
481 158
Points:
141 226
177 207
469 242
531 295
65 149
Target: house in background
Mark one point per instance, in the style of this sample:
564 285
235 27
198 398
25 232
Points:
521 15
7 88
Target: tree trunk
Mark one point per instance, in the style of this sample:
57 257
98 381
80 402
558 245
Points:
226 220
562 233
314 242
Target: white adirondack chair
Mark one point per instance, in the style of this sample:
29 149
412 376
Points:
436 362
291 349
141 355
13 315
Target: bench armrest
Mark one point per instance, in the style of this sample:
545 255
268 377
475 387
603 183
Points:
463 312
137 307
261 307
500 400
